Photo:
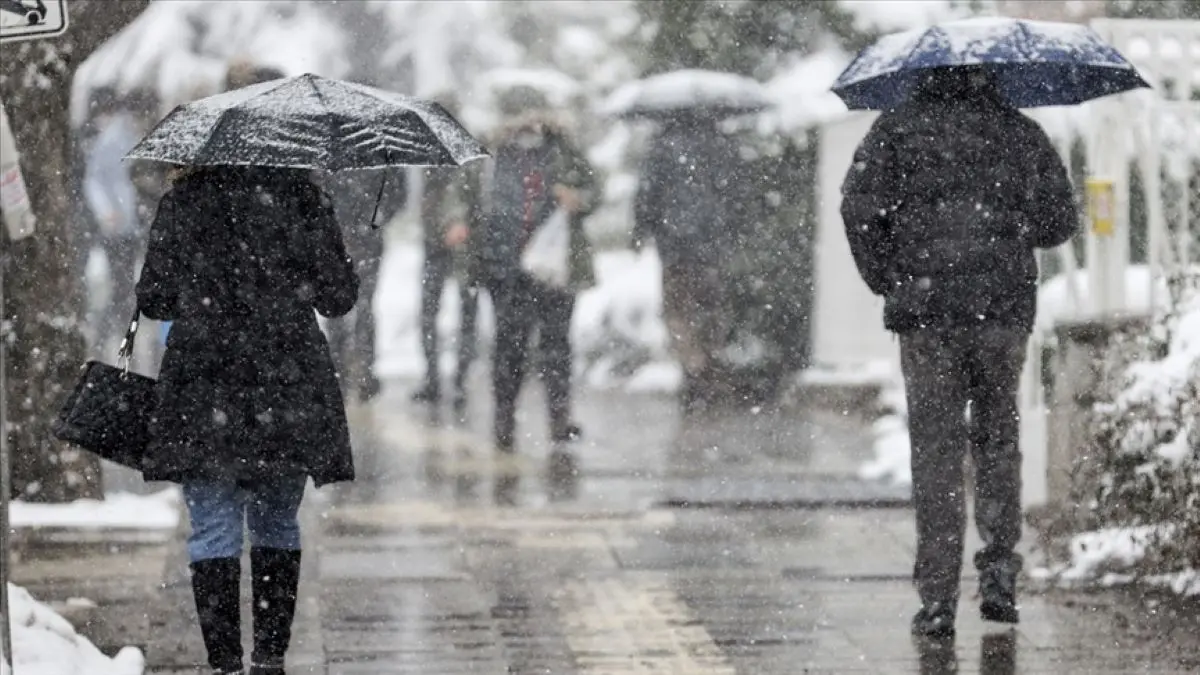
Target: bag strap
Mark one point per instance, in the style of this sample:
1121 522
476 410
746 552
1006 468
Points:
125 351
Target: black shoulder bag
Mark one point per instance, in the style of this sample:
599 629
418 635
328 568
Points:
108 412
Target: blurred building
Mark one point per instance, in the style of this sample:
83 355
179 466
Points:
1080 11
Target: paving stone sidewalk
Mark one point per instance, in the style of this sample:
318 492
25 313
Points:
445 559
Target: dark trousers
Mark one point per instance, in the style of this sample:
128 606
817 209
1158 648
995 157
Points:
523 305
944 371
437 269
352 337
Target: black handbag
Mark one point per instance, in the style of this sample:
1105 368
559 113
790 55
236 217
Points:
108 412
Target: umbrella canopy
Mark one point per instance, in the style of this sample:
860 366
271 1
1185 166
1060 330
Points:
309 122
706 92
1034 63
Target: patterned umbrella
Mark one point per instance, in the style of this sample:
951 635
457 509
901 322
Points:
309 122
1034 63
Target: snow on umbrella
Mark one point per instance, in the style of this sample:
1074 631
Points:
1035 63
309 122
715 93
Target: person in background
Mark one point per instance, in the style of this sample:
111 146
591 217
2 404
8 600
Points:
248 403
357 200
111 199
946 200
535 170
685 203
449 216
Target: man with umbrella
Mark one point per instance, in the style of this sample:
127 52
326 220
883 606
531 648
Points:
684 202
945 202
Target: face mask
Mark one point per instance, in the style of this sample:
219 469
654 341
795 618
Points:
529 139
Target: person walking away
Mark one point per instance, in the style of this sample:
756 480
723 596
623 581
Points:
356 199
111 200
248 401
944 204
535 171
684 203
449 205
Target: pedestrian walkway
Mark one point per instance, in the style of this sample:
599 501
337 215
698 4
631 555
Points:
444 559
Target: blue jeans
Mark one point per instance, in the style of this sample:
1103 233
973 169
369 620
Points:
220 512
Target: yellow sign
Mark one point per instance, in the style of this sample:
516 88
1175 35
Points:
1102 205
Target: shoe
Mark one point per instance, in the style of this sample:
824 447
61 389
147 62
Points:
935 620
569 433
276 574
216 587
998 593
430 393
459 402
369 390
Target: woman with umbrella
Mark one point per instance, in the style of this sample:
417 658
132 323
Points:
244 247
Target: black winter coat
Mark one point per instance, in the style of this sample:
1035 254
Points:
944 204
238 259
686 195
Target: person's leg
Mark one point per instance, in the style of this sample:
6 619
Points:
706 309
514 321
271 515
436 268
469 303
364 328
676 294
936 391
217 511
554 309
995 371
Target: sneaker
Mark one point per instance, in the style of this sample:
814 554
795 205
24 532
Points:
935 620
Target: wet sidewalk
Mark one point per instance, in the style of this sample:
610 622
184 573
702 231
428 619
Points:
733 543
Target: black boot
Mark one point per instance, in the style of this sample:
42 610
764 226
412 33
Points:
430 393
216 587
998 592
567 432
935 620
276 577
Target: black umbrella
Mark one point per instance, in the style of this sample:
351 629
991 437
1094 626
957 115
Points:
309 122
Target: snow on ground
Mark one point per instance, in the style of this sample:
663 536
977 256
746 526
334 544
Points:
1105 557
44 643
617 323
1057 302
159 511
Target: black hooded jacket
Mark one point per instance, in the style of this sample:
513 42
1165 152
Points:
945 202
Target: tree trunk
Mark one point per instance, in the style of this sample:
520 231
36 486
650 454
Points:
42 286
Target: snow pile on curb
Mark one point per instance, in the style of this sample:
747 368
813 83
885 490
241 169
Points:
1106 557
892 448
158 511
44 643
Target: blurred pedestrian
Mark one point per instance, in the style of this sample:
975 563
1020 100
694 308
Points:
944 204
357 197
535 171
111 204
248 402
685 203
243 72
449 209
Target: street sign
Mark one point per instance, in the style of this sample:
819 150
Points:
32 19
1101 202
